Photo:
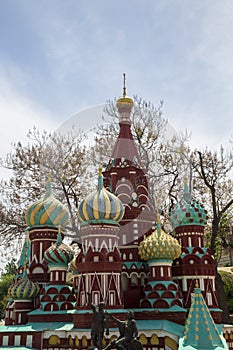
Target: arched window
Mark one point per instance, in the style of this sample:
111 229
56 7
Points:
125 282
134 279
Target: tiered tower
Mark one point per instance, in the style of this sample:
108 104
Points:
159 250
125 177
43 219
99 264
57 295
22 293
189 219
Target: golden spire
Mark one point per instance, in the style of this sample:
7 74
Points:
124 85
124 100
158 219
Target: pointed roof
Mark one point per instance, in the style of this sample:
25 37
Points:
25 253
125 147
201 332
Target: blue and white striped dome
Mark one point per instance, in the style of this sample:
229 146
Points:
100 206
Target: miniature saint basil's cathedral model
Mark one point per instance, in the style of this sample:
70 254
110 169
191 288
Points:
126 262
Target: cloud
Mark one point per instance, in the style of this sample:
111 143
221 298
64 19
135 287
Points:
18 112
74 55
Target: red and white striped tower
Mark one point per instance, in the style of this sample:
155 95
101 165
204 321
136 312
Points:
160 249
22 293
99 264
57 295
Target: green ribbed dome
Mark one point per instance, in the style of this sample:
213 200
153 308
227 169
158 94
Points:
58 254
159 246
47 211
188 211
100 206
24 288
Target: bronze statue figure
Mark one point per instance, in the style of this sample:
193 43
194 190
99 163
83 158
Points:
127 339
99 323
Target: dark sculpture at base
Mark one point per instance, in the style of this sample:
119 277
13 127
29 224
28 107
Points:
99 324
127 339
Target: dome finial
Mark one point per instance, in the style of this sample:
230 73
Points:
124 101
59 236
100 179
186 186
158 224
25 261
124 85
48 184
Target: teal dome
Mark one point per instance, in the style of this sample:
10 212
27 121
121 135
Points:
100 207
188 211
58 254
24 288
159 246
47 211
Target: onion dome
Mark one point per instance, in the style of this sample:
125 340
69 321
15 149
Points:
23 289
124 101
159 246
188 211
58 254
101 206
47 211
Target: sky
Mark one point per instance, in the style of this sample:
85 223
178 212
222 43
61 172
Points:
59 57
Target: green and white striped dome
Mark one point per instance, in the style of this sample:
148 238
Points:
47 211
23 289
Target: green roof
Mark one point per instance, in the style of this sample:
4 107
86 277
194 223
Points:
42 312
17 348
174 308
155 325
37 327
142 325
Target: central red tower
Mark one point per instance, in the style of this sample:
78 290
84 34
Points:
125 177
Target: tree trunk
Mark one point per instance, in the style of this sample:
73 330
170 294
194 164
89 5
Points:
226 319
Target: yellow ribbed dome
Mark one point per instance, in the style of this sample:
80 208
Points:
159 246
124 100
